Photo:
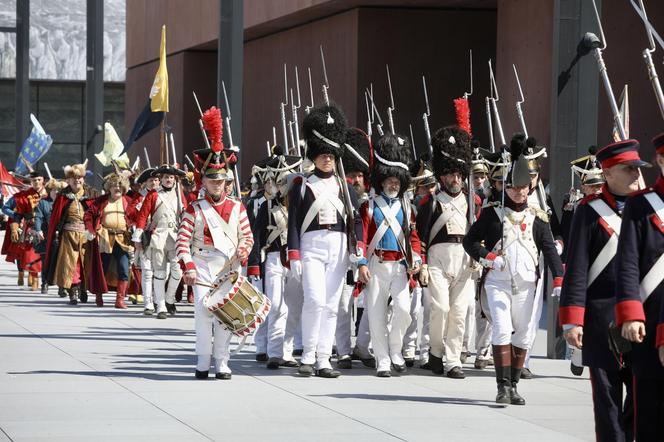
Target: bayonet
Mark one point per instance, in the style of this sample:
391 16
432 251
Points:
379 126
520 101
282 108
489 121
647 55
307 109
326 84
412 143
426 115
188 160
495 97
391 108
468 94
200 123
147 157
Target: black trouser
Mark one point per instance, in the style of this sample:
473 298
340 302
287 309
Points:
649 409
614 418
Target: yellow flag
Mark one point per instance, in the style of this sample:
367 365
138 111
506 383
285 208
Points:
113 147
159 91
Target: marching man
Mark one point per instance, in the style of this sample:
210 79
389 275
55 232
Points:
393 253
442 222
507 239
318 237
214 236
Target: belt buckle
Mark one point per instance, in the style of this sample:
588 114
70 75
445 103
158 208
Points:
171 224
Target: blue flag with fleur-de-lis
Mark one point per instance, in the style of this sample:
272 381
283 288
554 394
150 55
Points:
34 147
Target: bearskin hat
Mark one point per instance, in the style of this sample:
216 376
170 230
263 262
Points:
325 131
357 142
451 151
519 174
391 159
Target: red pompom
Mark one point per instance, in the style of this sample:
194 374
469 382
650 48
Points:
462 109
214 128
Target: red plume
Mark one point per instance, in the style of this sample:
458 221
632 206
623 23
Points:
214 128
462 109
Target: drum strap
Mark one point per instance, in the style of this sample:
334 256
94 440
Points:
609 250
655 275
218 227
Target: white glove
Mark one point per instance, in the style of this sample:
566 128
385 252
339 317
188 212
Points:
424 275
559 247
556 292
296 269
497 263
89 235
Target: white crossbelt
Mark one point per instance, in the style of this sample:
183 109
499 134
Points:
609 250
655 275
390 221
218 227
321 198
444 216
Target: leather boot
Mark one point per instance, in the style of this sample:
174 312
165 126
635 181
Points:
35 282
121 291
518 359
190 295
99 300
73 292
30 279
502 363
21 276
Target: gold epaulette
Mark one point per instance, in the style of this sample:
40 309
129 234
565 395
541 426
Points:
541 214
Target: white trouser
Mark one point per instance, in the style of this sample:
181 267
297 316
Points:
510 313
161 259
363 338
388 278
344 315
450 289
469 325
294 299
272 331
483 329
419 303
537 311
324 263
208 264
146 279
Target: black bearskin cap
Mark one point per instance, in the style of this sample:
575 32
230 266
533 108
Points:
451 151
329 122
395 149
359 141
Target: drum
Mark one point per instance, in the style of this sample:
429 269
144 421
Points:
237 304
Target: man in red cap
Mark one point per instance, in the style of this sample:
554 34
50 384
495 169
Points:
640 297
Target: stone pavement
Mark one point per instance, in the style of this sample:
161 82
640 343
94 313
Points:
87 373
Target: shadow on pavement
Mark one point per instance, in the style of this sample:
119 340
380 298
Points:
427 399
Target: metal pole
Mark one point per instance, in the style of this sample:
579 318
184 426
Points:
229 64
22 86
94 83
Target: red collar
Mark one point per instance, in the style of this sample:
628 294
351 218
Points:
608 197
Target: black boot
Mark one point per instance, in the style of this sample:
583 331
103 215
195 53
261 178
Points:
517 399
73 292
436 364
504 386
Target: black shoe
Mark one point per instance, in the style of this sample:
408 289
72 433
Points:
456 373
515 397
425 366
399 368
170 308
83 296
72 300
223 376
44 289
436 364
289 364
464 356
261 357
481 364
410 362
345 363
162 315
62 292
297 352
148 312
576 370
384 374
202 374
273 363
526 373
504 395
328 373
305 370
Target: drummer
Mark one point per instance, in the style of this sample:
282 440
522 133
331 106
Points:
214 229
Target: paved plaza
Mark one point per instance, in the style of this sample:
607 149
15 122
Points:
95 374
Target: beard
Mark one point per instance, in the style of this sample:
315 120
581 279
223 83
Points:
453 189
391 193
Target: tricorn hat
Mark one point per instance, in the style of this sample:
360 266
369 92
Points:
325 131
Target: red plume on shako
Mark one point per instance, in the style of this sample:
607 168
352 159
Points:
214 128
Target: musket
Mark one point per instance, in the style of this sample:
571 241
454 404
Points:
229 132
369 115
274 137
191 163
426 115
282 109
295 107
308 108
292 137
48 171
348 208
502 222
177 182
136 164
379 126
326 84
495 98
647 55
170 137
489 121
468 94
519 102
391 108
269 151
147 157
412 143
200 123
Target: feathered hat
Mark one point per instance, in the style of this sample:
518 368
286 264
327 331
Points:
587 168
391 157
519 174
76 170
325 131
356 156
451 151
215 162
